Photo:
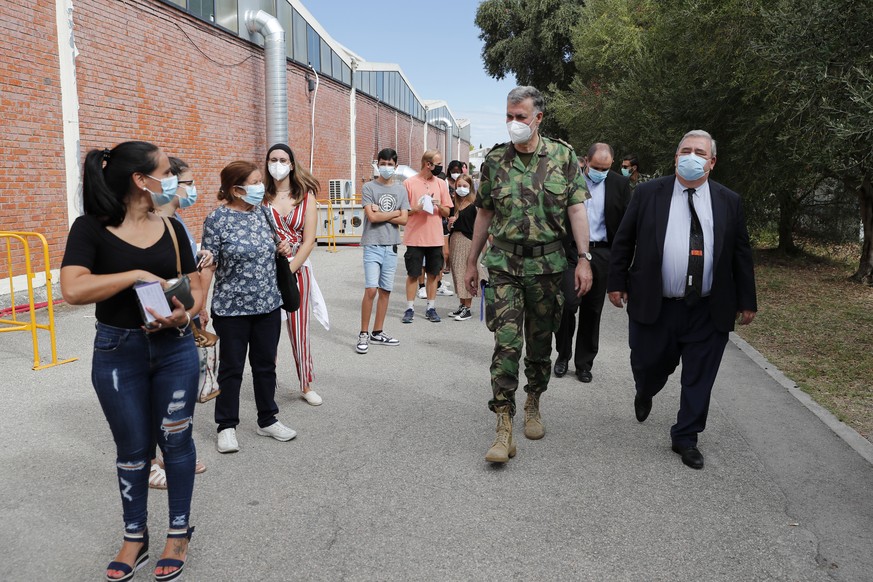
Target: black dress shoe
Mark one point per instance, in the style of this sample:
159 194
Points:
560 368
583 375
642 407
690 456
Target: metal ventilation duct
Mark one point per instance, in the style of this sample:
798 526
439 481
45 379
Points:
275 89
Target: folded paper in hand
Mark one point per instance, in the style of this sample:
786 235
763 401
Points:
152 295
427 204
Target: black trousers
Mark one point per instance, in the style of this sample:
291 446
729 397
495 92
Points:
680 333
589 306
257 335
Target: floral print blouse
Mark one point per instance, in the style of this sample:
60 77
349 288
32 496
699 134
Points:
245 277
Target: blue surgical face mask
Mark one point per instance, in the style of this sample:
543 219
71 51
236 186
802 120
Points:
596 176
462 192
168 190
386 171
190 199
690 167
626 172
254 194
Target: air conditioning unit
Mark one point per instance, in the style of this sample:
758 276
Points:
341 192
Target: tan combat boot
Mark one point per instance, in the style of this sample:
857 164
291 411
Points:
503 448
533 424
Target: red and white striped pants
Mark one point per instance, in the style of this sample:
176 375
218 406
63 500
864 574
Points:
298 330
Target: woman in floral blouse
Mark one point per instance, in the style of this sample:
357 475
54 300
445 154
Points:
245 302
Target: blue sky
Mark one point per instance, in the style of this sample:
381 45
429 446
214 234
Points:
435 43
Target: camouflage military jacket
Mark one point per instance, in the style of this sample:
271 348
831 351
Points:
530 203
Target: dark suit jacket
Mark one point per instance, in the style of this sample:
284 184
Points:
638 248
616 194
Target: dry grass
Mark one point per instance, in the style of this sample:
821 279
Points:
815 325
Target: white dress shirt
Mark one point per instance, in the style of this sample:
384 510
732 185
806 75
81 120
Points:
595 206
674 267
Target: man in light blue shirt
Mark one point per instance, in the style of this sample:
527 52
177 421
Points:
610 193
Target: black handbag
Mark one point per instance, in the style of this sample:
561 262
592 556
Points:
285 279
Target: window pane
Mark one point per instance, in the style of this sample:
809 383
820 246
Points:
380 85
336 64
181 3
313 46
284 17
347 74
269 6
225 13
299 36
325 57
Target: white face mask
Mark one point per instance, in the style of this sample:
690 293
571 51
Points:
386 172
455 176
519 132
462 191
279 170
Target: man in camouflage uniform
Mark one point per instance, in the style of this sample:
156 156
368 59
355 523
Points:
529 188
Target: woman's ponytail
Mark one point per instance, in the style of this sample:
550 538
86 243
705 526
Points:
106 180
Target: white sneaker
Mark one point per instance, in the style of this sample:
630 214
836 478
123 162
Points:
363 342
278 431
422 293
312 398
444 291
227 441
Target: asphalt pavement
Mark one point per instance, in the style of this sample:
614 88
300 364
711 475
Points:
387 479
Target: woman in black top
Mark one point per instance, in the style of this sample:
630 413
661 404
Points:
461 241
145 377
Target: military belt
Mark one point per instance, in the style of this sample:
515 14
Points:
527 251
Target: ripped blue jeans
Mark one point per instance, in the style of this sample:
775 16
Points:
147 387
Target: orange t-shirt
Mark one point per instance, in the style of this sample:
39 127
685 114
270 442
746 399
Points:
423 229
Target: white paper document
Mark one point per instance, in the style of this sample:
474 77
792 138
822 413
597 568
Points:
152 295
427 204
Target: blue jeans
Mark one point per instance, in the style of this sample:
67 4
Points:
257 335
147 387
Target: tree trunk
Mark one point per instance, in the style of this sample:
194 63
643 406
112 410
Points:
787 212
864 274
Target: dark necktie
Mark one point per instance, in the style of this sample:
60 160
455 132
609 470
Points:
694 281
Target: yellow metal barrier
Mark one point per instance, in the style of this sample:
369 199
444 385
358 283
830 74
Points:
15 324
341 204
331 232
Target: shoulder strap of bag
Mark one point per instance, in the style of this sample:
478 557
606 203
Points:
175 244
267 214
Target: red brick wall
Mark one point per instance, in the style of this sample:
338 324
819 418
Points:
32 183
140 77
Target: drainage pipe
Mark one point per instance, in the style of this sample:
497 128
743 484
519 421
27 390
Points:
275 73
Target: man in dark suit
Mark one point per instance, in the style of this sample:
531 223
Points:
610 194
682 263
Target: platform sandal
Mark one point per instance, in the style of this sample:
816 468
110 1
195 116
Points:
141 558
172 562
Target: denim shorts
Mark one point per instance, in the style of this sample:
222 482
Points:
380 264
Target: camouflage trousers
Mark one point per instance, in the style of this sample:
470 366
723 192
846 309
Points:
521 310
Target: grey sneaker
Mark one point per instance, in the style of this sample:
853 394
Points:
363 343
464 315
380 339
432 315
408 316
